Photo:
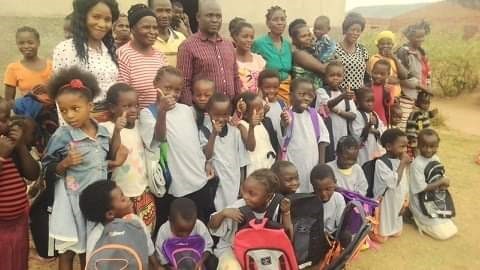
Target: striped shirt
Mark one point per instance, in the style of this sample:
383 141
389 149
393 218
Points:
214 59
13 191
138 70
417 121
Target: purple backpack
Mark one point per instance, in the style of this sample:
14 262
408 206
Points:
369 205
184 253
288 137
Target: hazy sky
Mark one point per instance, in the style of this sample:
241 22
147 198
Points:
358 3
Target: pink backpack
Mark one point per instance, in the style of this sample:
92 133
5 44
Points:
263 244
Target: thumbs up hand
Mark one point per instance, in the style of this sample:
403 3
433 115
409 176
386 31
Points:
285 118
121 122
255 119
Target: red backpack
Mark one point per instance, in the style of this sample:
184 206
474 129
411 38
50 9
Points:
263 244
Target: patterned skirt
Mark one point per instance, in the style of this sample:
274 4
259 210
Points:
144 207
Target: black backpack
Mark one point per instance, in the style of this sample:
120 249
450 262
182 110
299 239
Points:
438 203
310 242
369 170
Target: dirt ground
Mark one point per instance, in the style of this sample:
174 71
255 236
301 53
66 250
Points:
459 146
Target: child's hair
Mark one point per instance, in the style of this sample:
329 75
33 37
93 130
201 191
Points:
74 80
362 92
96 200
422 98
427 132
183 208
297 82
351 19
219 97
122 15
321 172
412 29
294 26
272 10
29 30
267 178
267 74
279 165
391 135
347 142
175 3
201 77
115 90
384 62
323 20
234 25
332 64
167 70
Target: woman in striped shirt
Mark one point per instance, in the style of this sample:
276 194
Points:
16 163
138 61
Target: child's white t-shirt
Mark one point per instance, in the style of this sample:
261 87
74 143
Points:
228 228
303 147
165 233
340 124
274 114
352 179
371 148
185 158
131 177
97 231
418 184
261 157
229 155
387 179
332 212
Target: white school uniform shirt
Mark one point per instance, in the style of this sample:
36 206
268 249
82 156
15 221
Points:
340 124
186 160
97 231
131 177
386 179
418 184
352 179
274 114
303 147
229 155
260 157
228 228
332 212
165 233
371 147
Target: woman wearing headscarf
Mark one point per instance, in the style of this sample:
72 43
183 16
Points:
138 61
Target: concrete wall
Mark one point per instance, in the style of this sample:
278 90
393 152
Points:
253 10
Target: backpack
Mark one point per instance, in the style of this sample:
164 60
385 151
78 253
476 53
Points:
288 137
122 245
438 203
369 170
349 238
162 162
310 242
184 253
263 244
366 129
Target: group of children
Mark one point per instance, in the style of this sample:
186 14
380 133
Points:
218 156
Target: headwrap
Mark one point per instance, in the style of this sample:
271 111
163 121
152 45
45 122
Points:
137 12
385 34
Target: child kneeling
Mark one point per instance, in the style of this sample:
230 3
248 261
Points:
438 228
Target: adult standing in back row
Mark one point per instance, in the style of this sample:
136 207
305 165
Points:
207 53
275 49
138 61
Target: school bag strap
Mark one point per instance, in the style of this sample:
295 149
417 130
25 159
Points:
272 134
205 131
289 132
248 214
389 164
